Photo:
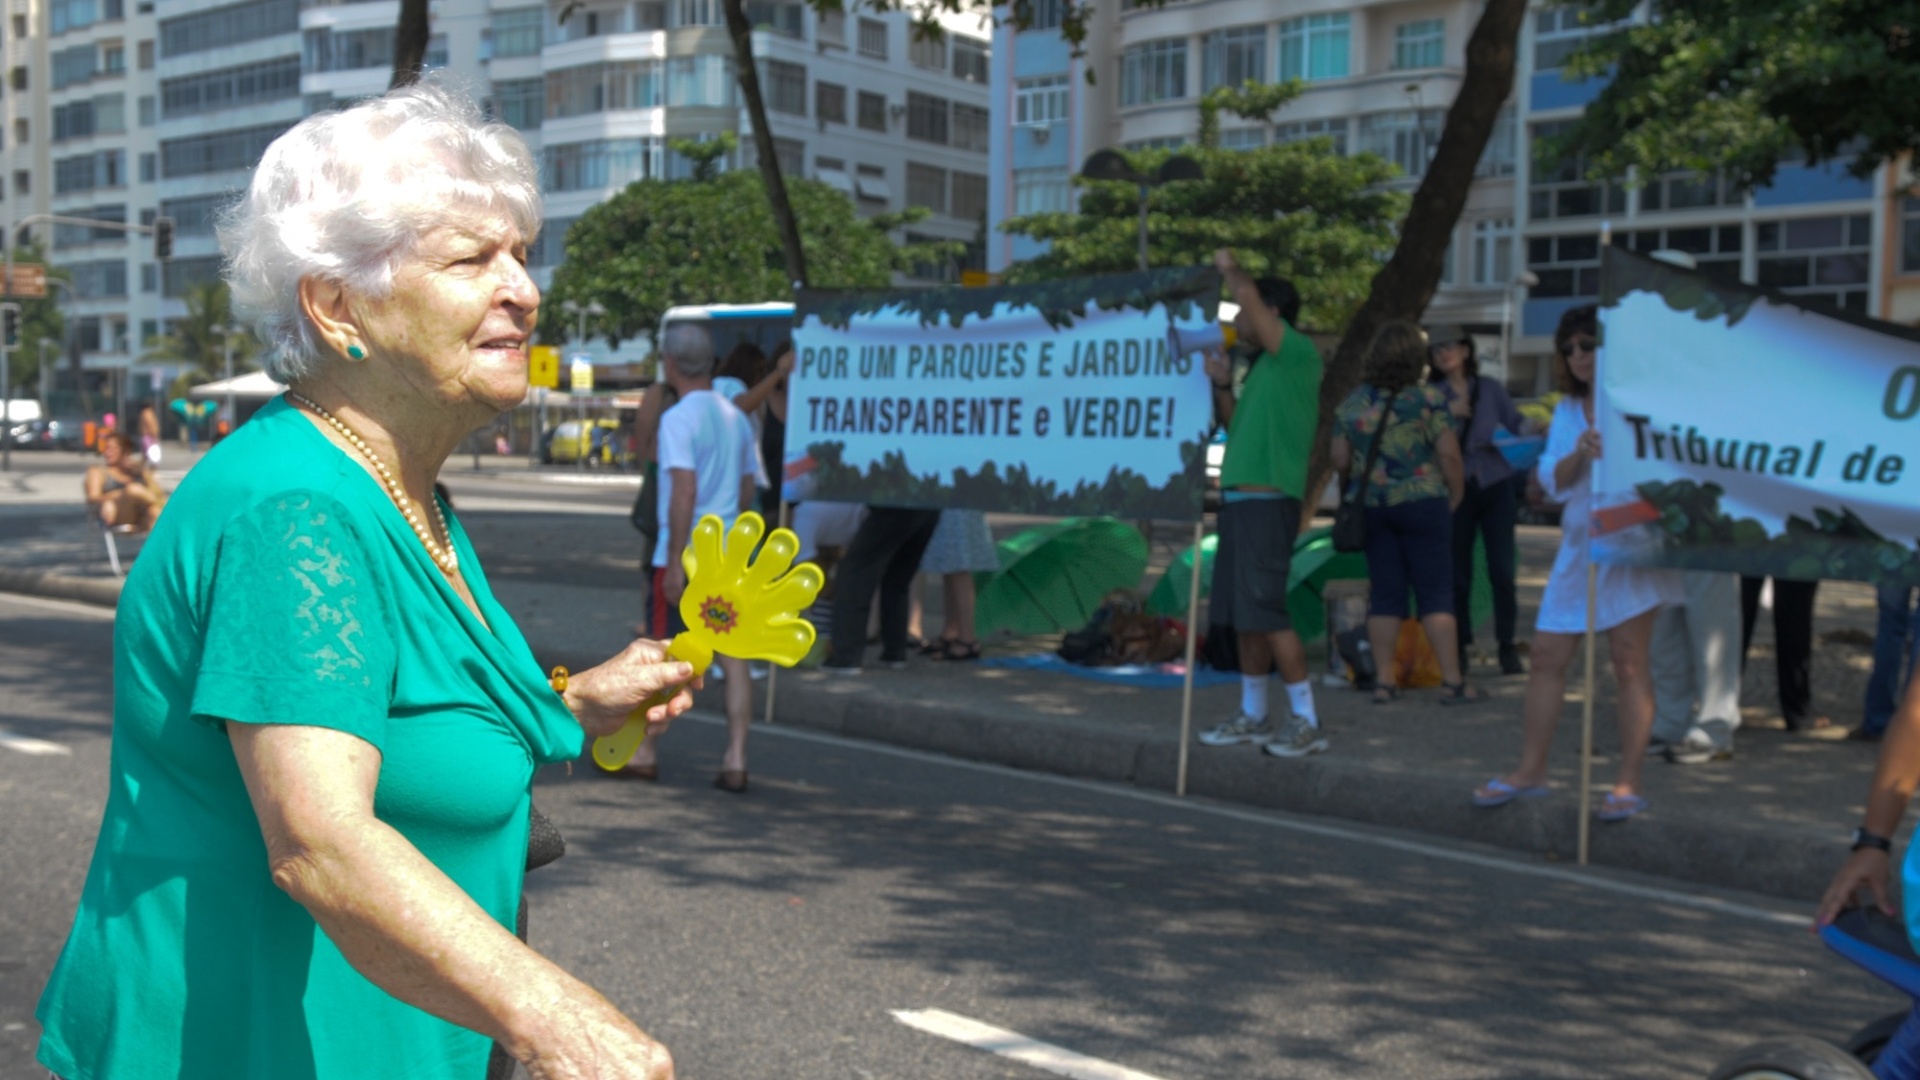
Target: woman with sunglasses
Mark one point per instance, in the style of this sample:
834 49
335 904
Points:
1627 597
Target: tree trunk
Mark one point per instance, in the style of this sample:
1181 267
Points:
410 44
1406 283
749 77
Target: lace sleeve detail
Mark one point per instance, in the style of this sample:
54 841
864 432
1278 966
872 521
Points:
296 622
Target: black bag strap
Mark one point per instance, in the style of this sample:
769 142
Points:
1373 451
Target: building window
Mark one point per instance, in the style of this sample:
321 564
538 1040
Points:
520 103
1567 266
113 60
1302 130
830 102
969 197
1561 189
1420 44
66 235
347 50
785 19
110 114
1822 258
86 172
972 127
1405 137
1039 102
831 27
1047 14
217 152
1715 248
928 52
1910 236
786 87
22 181
74 65
248 84
1251 138
602 163
873 39
1558 33
870 185
1689 191
249 20
98 280
518 31
1315 47
1493 252
180 276
700 80
550 247
144 54
1232 57
149 283
1042 191
1502 146
971 62
927 118
927 186
196 216
791 156
603 87
149 168
873 111
1154 71
701 13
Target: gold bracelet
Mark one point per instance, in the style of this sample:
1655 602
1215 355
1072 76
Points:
558 680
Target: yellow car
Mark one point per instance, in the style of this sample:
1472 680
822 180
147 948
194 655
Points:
571 440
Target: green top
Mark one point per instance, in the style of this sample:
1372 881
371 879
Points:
1407 469
283 587
1272 429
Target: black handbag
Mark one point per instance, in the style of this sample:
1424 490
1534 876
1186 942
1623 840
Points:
1350 520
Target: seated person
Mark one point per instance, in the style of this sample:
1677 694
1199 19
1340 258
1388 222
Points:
123 489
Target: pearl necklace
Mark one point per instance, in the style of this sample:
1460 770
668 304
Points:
442 555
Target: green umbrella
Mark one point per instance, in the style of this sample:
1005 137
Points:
1314 564
1052 578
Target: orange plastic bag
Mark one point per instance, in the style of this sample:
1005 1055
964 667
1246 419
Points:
1414 662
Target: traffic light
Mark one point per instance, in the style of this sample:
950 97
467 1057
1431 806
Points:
10 325
162 237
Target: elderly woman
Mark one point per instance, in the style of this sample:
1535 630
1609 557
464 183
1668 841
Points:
1625 603
325 726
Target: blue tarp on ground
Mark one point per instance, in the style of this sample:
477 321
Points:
1147 676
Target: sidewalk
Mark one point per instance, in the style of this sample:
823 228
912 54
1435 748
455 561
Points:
1773 820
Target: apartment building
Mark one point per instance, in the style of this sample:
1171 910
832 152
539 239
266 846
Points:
1379 77
125 110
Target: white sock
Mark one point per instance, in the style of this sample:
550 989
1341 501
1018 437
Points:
1253 695
1300 696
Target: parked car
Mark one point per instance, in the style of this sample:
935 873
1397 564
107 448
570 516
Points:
571 440
56 433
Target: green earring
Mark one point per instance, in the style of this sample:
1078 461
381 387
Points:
355 352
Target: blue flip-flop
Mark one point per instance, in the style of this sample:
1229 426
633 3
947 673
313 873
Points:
1620 808
1504 793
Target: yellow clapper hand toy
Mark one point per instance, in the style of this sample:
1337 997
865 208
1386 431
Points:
748 610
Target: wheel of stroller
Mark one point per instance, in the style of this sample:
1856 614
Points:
1867 1043
1796 1057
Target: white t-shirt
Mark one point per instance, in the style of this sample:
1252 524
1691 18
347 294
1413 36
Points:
708 434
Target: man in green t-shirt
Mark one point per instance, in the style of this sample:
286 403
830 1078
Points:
1263 482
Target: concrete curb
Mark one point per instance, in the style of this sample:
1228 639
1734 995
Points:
1774 858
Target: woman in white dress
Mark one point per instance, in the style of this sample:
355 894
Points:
1627 598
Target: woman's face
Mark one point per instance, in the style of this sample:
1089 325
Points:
460 316
112 453
1579 351
1449 357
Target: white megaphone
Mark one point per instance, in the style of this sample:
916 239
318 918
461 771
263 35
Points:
1200 338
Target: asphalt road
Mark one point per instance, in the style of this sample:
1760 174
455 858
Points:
774 934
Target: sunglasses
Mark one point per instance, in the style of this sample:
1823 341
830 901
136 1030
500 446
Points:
1585 344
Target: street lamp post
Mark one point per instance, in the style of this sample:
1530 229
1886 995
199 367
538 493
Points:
226 358
580 315
1112 165
1525 279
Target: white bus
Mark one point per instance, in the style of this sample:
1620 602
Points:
766 325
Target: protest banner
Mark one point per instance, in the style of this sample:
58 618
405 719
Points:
1744 431
1059 399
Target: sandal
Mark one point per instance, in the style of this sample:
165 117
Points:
1497 792
1460 693
934 647
1385 695
1619 807
960 650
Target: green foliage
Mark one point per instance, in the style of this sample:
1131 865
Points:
200 340
1013 490
40 318
1296 210
1682 290
1248 101
1741 85
1181 289
661 243
708 156
1699 535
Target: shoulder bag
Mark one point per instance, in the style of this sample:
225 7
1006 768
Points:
1350 520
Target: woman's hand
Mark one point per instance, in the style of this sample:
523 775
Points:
1866 869
602 697
1589 445
1219 370
598 1043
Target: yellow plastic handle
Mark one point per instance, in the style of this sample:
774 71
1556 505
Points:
612 752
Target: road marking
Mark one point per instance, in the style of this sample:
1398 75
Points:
1273 819
1012 1044
35 747
69 607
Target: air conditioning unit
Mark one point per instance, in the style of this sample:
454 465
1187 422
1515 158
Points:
1041 135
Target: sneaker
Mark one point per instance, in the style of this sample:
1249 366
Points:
842 669
1240 729
1712 741
1297 739
1510 661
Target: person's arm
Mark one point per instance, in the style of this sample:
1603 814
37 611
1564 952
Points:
1894 779
759 392
1268 329
1220 378
1452 466
1340 454
1569 469
406 926
646 423
684 490
1505 414
94 483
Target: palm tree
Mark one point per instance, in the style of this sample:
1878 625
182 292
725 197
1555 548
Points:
201 339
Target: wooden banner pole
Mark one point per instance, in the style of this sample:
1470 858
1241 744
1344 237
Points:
1193 634
1586 712
773 670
